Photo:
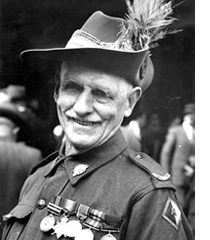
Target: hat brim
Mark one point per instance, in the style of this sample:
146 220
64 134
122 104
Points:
121 63
11 113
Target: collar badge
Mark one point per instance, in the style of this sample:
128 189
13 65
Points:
80 169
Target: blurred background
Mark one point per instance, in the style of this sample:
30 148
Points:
28 24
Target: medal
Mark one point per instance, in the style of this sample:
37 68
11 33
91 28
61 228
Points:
72 228
47 223
108 236
85 234
59 228
80 169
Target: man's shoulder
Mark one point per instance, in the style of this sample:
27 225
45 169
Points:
148 164
154 172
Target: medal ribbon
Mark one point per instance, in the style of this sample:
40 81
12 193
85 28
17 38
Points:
54 209
95 218
88 216
91 217
60 205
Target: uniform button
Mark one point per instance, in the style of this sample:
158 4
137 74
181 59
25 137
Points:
138 156
41 203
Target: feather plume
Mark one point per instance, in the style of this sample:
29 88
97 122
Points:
146 22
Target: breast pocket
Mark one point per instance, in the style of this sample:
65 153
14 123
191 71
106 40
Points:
15 221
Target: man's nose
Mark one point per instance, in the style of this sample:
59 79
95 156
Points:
83 104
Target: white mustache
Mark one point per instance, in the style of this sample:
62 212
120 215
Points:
71 115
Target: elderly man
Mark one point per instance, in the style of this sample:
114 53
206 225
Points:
95 187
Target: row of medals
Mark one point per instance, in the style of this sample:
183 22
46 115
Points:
69 228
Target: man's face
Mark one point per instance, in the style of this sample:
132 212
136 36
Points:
190 118
8 130
91 106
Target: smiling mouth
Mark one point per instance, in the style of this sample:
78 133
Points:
83 123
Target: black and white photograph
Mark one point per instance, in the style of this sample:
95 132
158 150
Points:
97 119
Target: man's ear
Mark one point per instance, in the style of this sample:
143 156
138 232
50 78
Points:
133 97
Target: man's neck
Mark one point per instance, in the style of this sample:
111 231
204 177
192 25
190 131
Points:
70 150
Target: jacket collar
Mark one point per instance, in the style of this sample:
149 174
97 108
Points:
91 160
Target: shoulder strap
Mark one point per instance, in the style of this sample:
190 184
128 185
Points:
159 177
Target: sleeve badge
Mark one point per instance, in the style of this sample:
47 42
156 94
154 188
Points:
172 213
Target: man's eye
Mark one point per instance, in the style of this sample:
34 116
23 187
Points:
72 88
101 96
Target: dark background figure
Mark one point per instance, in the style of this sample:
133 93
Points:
178 152
153 136
39 133
16 158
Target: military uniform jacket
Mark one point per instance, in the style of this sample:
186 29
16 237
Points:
118 194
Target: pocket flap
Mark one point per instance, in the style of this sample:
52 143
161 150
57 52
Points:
20 211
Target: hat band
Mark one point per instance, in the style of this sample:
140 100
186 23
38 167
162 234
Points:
82 39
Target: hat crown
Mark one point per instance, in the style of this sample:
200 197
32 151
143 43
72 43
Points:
101 31
105 28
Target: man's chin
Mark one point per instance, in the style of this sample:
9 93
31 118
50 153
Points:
82 145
